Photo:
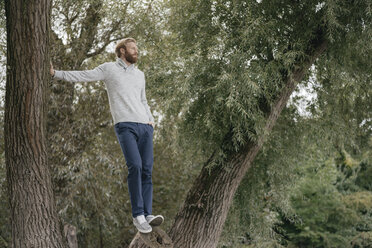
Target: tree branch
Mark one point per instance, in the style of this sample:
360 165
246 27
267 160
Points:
107 40
100 50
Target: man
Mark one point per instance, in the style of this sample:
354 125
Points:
133 124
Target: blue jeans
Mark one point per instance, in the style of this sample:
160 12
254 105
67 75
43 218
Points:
136 143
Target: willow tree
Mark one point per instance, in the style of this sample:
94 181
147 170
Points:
241 61
34 219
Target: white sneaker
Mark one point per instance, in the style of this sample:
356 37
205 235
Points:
155 220
141 224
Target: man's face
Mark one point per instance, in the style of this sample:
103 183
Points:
131 52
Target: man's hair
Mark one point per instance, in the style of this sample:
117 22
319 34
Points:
123 44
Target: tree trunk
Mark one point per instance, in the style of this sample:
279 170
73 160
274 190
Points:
34 219
200 221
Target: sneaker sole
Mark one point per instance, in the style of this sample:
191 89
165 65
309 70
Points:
142 231
157 221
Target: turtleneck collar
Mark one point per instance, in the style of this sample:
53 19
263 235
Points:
123 64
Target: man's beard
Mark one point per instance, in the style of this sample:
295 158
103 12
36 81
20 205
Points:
130 58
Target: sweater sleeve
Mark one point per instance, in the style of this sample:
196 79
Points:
96 74
144 102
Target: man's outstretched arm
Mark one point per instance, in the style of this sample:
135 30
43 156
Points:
96 74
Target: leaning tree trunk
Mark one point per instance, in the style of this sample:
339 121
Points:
34 219
200 221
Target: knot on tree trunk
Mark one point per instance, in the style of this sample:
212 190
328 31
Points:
156 239
70 236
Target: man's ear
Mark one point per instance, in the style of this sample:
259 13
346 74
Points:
122 50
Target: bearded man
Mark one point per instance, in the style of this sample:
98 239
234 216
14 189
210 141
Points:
133 124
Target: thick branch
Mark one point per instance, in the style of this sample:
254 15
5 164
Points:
107 40
292 80
89 28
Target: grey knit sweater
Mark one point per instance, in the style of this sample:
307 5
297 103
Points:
125 87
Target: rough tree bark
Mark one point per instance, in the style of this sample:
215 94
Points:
34 218
200 221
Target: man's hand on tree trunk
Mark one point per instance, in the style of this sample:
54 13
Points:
52 72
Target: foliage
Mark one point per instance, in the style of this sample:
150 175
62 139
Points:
364 239
239 53
323 218
264 193
304 198
329 217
